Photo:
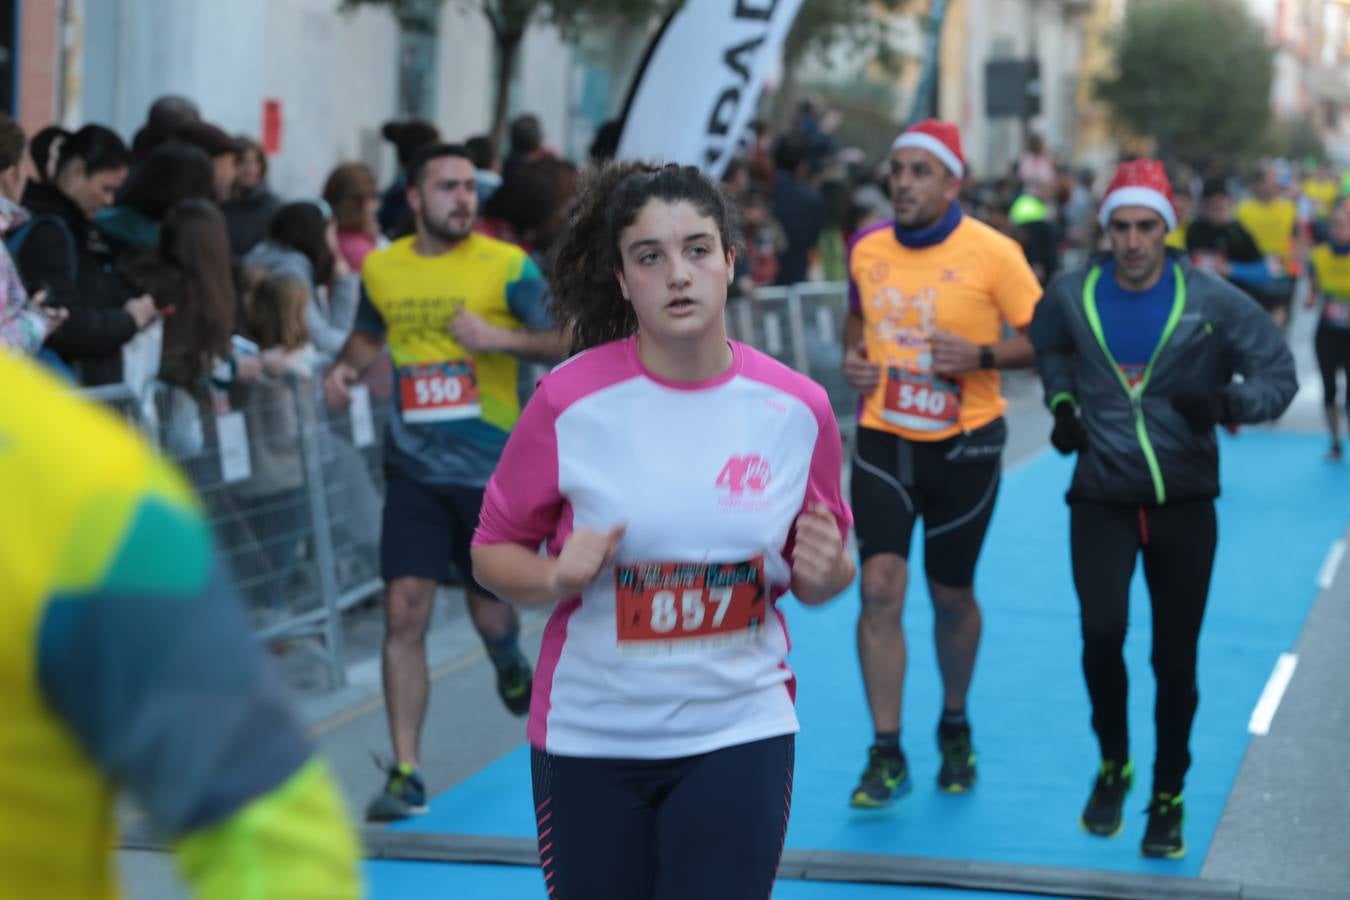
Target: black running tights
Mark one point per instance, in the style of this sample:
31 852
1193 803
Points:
1177 542
706 827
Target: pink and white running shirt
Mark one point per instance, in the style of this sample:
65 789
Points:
677 648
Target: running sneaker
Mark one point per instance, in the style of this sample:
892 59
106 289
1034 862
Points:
957 774
404 795
514 682
1102 815
1334 454
885 779
1162 837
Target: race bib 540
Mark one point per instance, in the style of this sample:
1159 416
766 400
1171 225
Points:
922 401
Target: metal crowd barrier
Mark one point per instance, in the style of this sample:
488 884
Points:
802 326
294 492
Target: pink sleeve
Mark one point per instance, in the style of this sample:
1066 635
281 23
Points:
823 483
522 504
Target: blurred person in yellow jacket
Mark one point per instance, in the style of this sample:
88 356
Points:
126 662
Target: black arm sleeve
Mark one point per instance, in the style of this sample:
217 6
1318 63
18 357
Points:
1054 345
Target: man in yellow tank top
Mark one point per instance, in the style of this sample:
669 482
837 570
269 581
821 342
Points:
126 662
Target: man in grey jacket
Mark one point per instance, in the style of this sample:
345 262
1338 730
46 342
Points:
1137 354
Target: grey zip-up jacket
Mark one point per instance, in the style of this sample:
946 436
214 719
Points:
1140 450
330 314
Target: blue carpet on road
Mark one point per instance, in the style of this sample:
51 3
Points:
414 881
1281 511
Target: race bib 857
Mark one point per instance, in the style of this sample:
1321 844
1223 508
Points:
664 608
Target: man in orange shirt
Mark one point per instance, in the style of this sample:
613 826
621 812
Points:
929 294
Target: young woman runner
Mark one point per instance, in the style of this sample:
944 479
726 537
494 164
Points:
682 484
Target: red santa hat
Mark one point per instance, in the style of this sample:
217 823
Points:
1142 182
942 139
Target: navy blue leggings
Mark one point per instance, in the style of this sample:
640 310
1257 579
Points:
709 827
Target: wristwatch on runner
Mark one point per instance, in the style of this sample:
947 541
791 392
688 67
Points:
986 357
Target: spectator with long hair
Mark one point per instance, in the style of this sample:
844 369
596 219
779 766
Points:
274 496
302 240
59 251
188 274
171 173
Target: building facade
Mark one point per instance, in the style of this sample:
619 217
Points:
978 32
1312 65
333 77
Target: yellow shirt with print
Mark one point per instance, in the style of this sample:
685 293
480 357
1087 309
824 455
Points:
418 296
968 285
409 301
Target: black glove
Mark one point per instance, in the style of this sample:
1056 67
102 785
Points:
1202 411
1069 435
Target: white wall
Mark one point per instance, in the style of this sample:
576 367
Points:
466 81
337 80
335 75
464 75
546 85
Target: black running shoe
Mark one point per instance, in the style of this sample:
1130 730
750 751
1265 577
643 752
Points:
514 682
1162 838
1102 815
957 774
885 779
404 796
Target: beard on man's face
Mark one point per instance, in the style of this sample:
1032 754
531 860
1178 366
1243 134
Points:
455 226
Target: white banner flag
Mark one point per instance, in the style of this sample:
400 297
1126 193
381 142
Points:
699 89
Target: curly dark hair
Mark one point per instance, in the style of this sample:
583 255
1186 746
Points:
587 302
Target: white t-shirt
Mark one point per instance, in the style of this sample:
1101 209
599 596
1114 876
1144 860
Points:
709 479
